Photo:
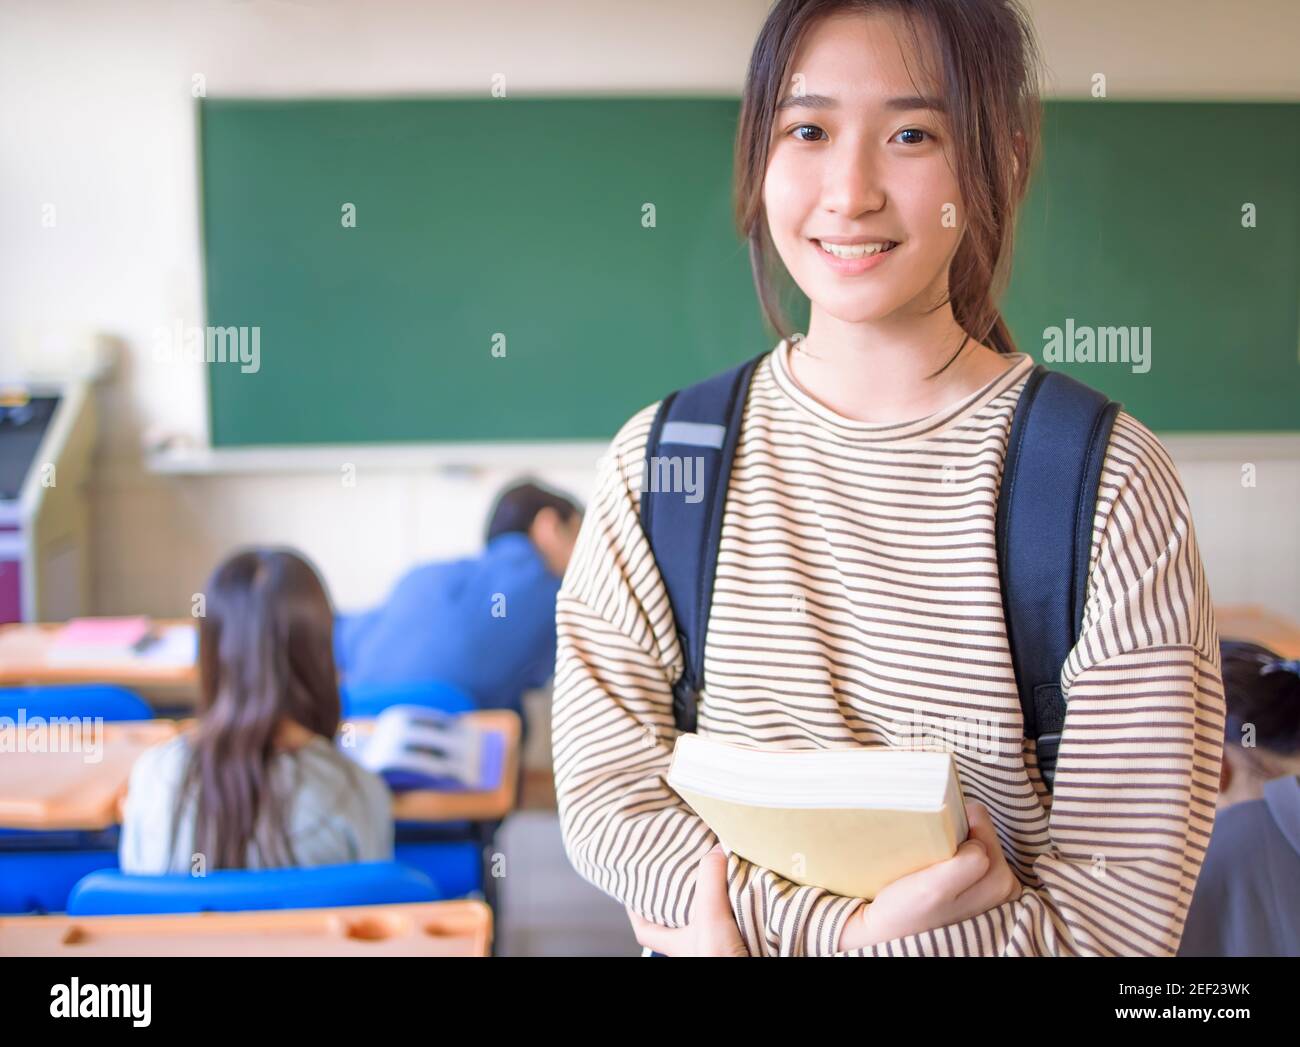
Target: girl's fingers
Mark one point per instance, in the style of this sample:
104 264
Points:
981 827
983 830
666 940
966 867
977 815
711 900
988 893
999 884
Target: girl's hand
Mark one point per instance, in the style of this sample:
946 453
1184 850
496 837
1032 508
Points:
712 930
975 879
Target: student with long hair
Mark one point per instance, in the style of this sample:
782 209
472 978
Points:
882 151
1247 900
258 782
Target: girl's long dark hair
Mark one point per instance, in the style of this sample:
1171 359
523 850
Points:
265 655
988 74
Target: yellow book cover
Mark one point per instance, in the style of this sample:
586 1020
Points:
847 820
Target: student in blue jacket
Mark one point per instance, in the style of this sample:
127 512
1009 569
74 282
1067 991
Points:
1247 901
485 623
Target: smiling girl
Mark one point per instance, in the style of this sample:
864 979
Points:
882 151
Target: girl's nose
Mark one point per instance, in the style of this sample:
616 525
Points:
851 185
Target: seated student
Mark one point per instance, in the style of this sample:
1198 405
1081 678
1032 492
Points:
486 623
1247 900
258 783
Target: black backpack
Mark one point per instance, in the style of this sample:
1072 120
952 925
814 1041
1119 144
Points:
1045 514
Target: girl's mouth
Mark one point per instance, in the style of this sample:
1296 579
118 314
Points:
855 258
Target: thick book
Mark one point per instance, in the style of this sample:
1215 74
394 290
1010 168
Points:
847 820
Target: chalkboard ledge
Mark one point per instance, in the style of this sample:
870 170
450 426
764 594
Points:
580 454
412 457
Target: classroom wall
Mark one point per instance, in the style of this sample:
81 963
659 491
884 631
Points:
96 118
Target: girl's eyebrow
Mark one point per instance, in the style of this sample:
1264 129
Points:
906 105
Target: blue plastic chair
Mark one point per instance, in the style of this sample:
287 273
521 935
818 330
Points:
85 701
40 881
369 700
457 868
239 890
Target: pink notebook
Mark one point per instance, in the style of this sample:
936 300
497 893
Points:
103 632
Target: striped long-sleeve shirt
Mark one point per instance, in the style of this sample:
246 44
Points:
857 603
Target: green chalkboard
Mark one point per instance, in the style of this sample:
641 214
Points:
591 239
1136 220
475 219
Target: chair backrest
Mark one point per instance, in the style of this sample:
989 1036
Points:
456 866
85 701
109 893
371 700
33 881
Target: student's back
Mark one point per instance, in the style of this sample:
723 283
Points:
1247 899
257 781
485 623
338 811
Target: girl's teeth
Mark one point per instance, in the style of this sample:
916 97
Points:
855 250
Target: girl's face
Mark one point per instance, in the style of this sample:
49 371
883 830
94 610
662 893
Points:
859 155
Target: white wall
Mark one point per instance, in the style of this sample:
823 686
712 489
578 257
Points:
96 118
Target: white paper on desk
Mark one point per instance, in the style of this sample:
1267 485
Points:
176 646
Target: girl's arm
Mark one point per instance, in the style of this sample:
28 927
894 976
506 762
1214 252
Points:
624 829
1138 771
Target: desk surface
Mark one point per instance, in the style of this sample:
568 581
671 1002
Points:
78 786
25 658
455 928
1260 626
84 787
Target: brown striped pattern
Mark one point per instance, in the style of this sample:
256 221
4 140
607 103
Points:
857 603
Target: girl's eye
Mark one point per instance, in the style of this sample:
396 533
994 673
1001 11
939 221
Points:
913 131
806 127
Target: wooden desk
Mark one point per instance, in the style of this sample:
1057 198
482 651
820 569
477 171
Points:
1261 626
43 790
65 790
25 659
455 928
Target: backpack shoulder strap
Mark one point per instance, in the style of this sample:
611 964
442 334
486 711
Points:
684 490
1045 511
